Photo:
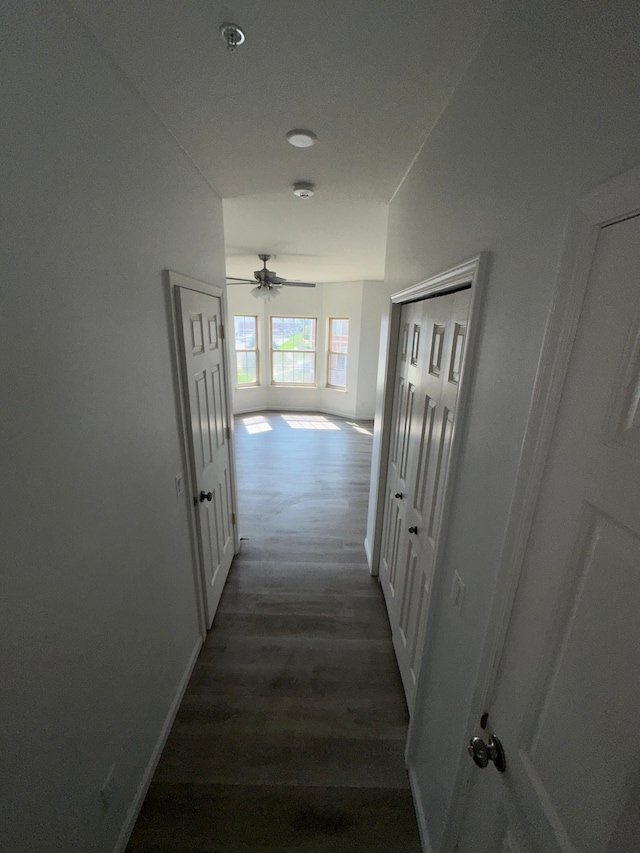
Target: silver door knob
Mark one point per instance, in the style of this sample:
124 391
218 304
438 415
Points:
482 753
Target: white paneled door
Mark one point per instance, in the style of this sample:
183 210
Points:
428 368
567 696
205 378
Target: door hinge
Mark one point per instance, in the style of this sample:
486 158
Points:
233 518
221 333
227 431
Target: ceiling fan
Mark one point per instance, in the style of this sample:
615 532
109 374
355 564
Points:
269 283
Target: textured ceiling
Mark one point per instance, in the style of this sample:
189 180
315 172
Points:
369 77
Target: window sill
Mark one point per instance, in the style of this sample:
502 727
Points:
296 385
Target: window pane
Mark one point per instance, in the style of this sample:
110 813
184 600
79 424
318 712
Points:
293 333
278 367
252 367
339 336
309 335
245 329
338 347
247 368
293 357
338 370
277 332
245 332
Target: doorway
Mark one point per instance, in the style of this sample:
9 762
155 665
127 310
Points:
198 312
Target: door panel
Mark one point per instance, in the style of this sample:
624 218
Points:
394 544
568 689
205 373
427 379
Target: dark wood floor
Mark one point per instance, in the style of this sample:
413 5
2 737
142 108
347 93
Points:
290 737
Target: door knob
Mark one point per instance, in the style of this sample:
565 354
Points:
482 753
206 496
399 495
413 529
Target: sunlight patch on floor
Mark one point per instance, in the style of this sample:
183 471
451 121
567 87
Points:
308 422
257 424
359 428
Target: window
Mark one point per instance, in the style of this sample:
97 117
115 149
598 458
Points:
246 333
338 346
293 350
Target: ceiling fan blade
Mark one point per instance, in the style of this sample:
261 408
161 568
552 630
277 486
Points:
268 279
298 284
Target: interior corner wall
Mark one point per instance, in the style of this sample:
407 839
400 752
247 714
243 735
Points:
546 112
363 303
99 621
343 299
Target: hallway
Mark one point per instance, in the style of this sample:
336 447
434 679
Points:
290 737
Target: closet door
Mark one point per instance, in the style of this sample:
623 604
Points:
401 448
425 400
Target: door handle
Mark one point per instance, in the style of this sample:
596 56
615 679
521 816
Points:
413 529
206 496
482 753
399 495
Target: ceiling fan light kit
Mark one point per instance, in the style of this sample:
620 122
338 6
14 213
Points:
265 292
304 189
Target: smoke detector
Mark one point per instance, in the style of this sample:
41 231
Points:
232 35
304 189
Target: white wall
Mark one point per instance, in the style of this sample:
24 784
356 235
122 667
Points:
97 596
343 299
547 111
375 306
363 303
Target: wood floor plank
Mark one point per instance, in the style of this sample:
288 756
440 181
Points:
275 819
290 737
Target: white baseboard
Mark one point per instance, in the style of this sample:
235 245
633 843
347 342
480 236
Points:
321 409
422 821
136 805
369 555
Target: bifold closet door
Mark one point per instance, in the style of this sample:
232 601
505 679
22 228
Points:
427 375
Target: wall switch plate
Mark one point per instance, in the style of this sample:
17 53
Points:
108 787
179 485
457 591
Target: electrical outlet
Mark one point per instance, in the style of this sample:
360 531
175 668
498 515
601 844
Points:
179 485
457 591
108 787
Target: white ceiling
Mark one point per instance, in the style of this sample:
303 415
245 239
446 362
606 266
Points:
369 77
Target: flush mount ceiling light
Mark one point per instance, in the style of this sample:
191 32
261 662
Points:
232 35
304 189
301 138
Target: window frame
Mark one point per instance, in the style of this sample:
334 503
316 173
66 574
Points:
313 384
256 349
331 352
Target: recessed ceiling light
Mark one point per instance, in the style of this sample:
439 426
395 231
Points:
301 138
